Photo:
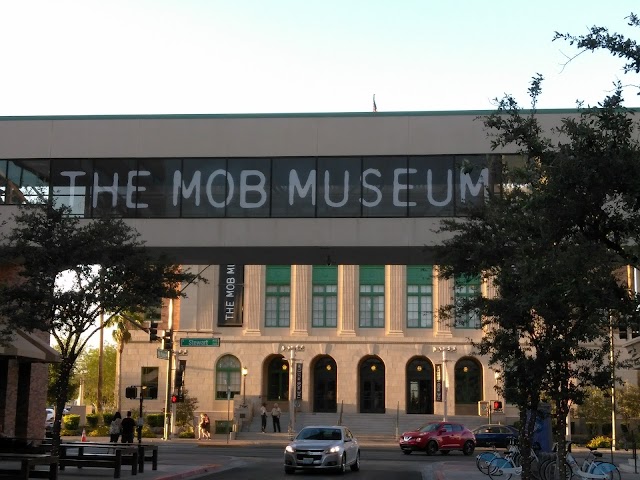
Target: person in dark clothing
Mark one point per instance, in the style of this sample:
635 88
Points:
128 428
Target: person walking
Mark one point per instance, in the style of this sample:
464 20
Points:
115 427
275 415
263 416
128 428
206 426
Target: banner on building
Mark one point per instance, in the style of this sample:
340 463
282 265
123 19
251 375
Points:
298 381
438 382
230 296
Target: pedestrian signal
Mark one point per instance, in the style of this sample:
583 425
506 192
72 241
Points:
497 406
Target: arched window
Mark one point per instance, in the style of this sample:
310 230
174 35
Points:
228 376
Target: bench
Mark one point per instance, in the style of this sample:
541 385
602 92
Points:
146 452
28 462
111 455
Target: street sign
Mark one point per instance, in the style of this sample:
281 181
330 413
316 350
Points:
163 354
199 342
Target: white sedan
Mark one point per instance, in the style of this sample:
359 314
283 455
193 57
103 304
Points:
322 447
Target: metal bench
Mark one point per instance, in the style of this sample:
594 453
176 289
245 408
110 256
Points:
112 455
28 462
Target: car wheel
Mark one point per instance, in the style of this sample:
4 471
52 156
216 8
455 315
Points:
432 447
468 448
406 452
355 466
445 452
289 470
343 464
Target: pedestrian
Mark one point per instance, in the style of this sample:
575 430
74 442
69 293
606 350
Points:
205 426
275 415
263 416
115 428
128 428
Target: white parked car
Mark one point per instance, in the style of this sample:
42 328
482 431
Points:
48 421
322 447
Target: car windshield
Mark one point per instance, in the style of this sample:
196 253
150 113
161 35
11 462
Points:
429 427
319 434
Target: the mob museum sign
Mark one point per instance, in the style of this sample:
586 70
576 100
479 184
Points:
352 187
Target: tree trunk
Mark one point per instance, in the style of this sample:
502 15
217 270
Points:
62 391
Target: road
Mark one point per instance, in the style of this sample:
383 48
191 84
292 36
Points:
260 463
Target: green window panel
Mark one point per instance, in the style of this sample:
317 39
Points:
420 296
278 296
372 296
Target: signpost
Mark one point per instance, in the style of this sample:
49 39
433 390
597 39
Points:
200 342
163 354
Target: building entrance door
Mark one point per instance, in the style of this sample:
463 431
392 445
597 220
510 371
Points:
325 377
372 381
420 386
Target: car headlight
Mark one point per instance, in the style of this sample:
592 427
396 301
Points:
290 449
334 449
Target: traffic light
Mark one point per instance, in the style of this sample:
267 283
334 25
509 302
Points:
131 392
179 380
177 397
497 406
167 340
153 331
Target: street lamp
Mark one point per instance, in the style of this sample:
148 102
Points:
244 386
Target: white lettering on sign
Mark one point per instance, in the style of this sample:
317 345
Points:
252 189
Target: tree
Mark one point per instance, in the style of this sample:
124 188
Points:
106 267
595 410
550 242
185 410
86 369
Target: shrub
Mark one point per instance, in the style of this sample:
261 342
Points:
155 420
107 418
147 432
101 431
186 434
92 420
68 433
71 422
599 442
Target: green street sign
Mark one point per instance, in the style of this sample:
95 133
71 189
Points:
199 342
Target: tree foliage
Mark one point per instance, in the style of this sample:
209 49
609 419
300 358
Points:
107 269
86 370
552 242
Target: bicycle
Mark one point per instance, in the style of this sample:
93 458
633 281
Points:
484 459
593 469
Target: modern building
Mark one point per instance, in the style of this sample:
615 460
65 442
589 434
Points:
317 235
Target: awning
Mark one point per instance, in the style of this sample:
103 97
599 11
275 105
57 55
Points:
30 348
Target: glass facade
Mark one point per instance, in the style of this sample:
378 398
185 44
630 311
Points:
300 187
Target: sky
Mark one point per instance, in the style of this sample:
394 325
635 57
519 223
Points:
128 57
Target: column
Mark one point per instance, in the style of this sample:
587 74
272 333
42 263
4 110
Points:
348 299
395 308
300 299
442 296
254 280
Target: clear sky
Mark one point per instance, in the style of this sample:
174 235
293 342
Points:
78 57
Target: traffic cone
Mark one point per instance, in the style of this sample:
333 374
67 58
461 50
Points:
84 436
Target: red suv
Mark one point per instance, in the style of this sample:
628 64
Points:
438 436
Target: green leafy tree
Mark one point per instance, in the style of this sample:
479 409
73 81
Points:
107 268
595 410
87 369
185 410
550 242
628 405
